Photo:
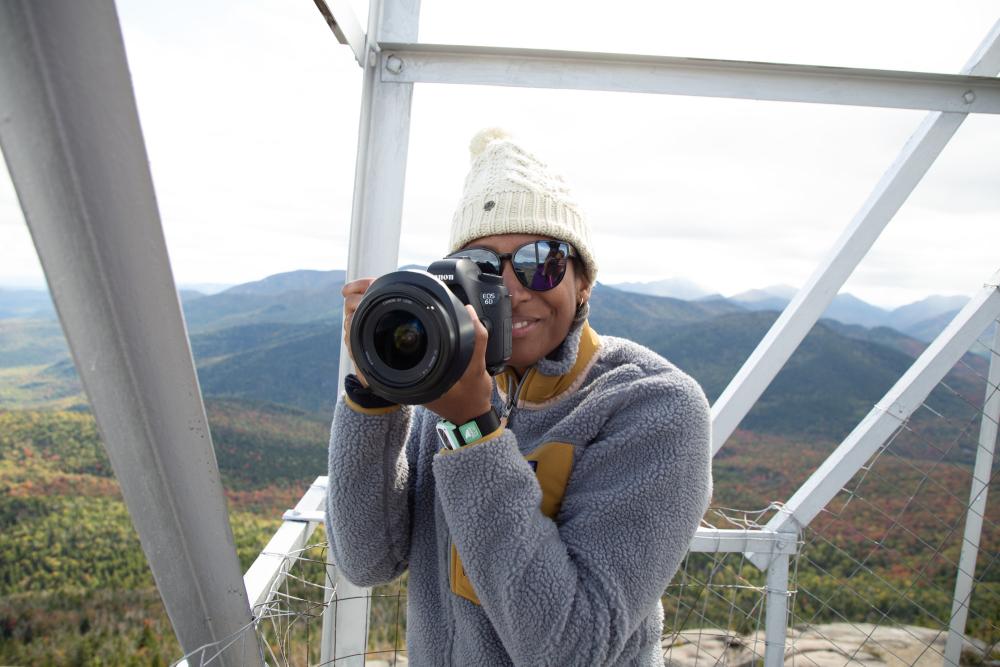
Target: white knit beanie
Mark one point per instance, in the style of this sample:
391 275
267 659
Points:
510 191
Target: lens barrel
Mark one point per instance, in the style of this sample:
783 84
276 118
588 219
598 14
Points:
411 337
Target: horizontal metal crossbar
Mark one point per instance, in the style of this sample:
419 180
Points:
706 540
290 538
537 68
719 540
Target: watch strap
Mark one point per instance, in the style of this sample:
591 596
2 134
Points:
455 436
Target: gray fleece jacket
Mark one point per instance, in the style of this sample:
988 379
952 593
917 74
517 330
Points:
548 542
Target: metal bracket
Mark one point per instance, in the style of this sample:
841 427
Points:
345 26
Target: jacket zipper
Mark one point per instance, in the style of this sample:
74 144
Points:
514 395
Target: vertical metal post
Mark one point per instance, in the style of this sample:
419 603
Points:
328 631
776 619
977 508
71 137
376 221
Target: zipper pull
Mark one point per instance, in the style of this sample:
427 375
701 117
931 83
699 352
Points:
513 396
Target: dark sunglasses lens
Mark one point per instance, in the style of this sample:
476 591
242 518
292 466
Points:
487 261
541 265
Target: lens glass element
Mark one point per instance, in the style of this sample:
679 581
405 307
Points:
400 340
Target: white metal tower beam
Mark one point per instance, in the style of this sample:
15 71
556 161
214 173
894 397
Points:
71 137
616 72
376 223
982 472
776 619
887 416
815 296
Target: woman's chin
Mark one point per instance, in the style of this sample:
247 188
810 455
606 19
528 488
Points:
522 359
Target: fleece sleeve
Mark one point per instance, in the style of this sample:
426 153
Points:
573 591
368 496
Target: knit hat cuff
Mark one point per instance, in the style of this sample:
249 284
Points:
523 213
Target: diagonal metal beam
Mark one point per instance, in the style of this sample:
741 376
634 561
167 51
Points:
887 416
815 296
615 72
344 25
70 134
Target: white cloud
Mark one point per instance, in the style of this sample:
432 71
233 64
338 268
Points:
250 113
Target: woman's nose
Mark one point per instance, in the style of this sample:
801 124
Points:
518 292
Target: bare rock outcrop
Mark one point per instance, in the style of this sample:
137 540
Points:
828 645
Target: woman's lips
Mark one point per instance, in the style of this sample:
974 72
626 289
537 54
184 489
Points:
521 327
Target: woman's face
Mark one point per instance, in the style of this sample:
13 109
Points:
541 320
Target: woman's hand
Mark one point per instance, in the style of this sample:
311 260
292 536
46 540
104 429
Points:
353 291
470 396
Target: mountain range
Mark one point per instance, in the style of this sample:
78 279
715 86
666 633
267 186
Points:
922 319
277 340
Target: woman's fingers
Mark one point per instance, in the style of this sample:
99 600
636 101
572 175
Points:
470 396
353 293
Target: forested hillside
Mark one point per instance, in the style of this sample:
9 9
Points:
75 587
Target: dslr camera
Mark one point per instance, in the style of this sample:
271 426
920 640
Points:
412 338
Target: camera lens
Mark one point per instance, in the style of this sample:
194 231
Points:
411 335
400 340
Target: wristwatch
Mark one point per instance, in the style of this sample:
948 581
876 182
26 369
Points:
455 437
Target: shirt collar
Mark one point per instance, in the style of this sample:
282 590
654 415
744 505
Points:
562 371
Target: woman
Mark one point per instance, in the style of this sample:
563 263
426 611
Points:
550 537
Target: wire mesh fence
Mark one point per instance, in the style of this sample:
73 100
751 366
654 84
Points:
885 552
287 630
875 576
714 612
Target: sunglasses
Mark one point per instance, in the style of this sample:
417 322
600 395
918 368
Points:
539 265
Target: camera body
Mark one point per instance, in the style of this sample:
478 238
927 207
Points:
412 338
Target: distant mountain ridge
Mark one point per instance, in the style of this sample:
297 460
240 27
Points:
26 303
307 295
303 280
675 288
922 320
277 340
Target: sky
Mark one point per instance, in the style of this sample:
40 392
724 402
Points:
250 113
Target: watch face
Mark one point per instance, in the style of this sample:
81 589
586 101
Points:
470 431
446 434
